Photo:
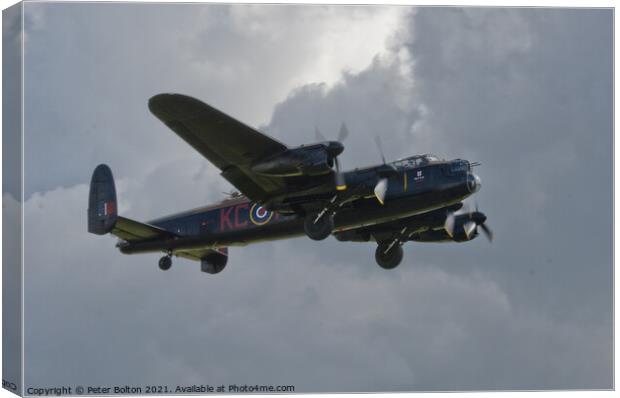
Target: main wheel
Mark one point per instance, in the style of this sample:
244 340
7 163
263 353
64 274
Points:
388 259
165 263
320 229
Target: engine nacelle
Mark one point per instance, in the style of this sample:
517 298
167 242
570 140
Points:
461 236
466 226
459 233
214 262
305 160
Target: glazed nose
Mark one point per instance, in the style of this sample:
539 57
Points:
473 183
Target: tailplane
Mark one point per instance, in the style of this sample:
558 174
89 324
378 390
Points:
102 208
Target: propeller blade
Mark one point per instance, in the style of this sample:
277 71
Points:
469 227
449 224
381 190
487 232
344 132
341 184
380 147
319 136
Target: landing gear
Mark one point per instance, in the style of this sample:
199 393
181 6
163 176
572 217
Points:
320 226
318 229
389 255
165 262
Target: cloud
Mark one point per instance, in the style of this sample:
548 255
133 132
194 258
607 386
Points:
525 91
531 101
379 101
421 328
299 44
87 89
11 289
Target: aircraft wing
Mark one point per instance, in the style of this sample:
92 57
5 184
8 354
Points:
134 231
434 219
227 143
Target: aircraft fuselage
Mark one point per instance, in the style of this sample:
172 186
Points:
238 221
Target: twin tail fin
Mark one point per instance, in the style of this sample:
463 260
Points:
102 206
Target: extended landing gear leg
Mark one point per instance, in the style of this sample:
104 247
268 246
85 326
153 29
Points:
389 255
318 227
165 262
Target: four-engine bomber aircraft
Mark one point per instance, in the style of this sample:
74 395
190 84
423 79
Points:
286 192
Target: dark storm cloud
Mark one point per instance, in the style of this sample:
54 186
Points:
529 94
91 67
526 92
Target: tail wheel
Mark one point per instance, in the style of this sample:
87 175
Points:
388 258
318 229
165 263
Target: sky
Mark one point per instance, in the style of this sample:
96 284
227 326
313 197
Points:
526 92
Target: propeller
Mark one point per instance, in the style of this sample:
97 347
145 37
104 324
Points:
469 227
471 222
487 232
341 184
381 189
337 148
343 133
380 147
382 185
449 224
485 229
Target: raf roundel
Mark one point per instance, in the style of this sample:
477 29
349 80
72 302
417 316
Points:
259 215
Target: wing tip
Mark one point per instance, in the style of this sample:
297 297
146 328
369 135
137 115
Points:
168 105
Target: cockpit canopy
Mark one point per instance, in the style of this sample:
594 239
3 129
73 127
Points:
415 161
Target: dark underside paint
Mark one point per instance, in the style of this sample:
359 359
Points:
244 222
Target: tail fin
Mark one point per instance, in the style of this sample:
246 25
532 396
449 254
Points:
102 209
